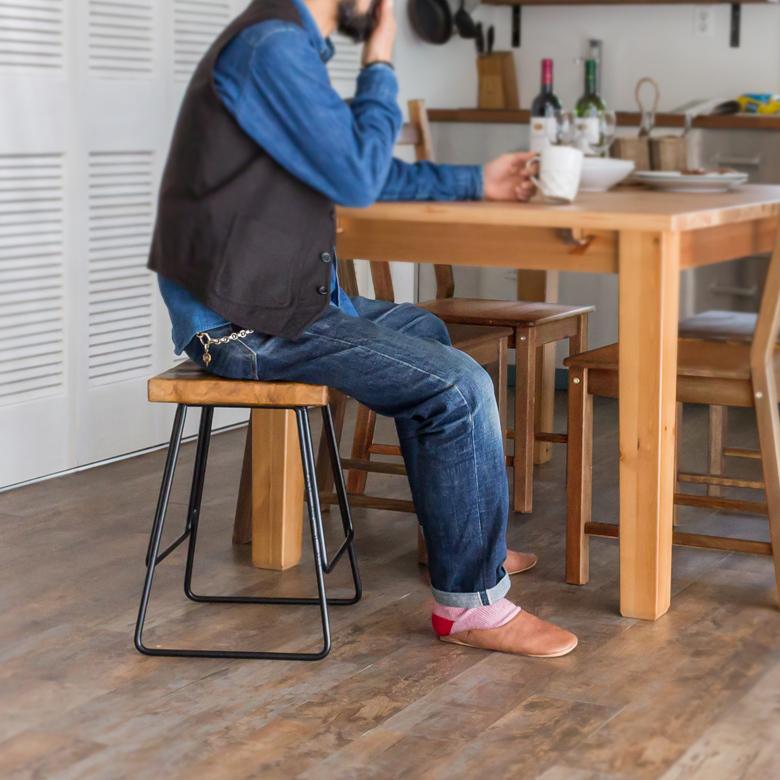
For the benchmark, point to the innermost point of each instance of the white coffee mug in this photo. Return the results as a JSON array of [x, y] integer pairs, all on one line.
[[560, 169]]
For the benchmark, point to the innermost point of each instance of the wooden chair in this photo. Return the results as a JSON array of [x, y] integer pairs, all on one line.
[[487, 345], [533, 326], [188, 386], [716, 372], [717, 325]]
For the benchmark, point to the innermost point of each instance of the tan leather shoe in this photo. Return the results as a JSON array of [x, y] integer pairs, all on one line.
[[525, 634], [516, 562]]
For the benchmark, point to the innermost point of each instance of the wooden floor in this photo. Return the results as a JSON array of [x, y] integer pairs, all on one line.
[[695, 695]]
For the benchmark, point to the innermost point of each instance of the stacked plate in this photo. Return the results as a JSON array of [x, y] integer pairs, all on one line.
[[678, 181]]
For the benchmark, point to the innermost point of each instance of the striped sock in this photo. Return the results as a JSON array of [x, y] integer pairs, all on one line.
[[454, 620]]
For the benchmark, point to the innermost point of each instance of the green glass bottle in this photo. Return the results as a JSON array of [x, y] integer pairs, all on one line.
[[589, 108]]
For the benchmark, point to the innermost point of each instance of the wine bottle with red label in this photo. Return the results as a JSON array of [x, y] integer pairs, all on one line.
[[543, 109]]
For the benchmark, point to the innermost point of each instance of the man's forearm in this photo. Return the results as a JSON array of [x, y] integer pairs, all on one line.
[[429, 181]]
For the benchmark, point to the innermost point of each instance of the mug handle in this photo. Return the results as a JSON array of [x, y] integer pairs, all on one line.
[[534, 161]]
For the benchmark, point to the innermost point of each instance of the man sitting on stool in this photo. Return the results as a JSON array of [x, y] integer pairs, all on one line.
[[244, 241]]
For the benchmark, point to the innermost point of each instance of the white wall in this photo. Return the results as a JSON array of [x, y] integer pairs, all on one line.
[[655, 41]]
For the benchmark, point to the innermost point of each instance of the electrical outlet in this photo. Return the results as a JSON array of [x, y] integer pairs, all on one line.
[[703, 21]]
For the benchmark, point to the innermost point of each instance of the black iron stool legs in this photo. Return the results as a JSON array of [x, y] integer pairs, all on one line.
[[196, 495], [315, 520], [341, 492], [153, 550], [321, 563]]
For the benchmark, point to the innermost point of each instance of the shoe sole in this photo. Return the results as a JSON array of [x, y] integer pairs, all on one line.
[[520, 571], [557, 654]]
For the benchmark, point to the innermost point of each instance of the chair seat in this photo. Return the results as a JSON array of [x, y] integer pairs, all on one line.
[[695, 358], [718, 325], [468, 337], [188, 384], [508, 313]]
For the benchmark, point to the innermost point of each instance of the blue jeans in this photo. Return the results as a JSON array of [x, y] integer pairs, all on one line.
[[398, 360]]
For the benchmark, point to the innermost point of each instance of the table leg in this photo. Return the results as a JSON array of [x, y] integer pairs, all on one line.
[[649, 304], [270, 499], [542, 286]]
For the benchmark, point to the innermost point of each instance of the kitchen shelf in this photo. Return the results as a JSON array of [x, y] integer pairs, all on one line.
[[625, 119], [626, 2], [736, 11]]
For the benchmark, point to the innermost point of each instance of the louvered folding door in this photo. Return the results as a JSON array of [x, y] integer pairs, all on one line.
[[89, 91], [36, 405]]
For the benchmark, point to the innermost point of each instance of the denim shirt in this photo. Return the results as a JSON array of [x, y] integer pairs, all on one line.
[[272, 78]]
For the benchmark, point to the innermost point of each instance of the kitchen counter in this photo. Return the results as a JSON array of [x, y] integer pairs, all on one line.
[[625, 119]]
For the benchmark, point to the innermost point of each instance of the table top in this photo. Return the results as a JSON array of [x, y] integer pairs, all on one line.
[[622, 209]]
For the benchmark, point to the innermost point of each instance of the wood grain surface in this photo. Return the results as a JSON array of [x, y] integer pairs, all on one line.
[[693, 695]]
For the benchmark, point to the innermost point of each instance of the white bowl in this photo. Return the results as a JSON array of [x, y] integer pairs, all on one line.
[[602, 173]]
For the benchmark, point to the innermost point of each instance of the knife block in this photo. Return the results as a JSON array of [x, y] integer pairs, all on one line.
[[497, 80]]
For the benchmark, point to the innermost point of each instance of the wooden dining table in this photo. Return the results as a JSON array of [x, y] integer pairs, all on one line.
[[645, 237]]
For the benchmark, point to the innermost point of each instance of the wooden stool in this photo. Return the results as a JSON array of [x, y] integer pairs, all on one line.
[[532, 327], [187, 386], [717, 373]]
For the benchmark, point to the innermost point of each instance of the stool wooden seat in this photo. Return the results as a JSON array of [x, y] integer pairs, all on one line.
[[720, 372], [187, 385]]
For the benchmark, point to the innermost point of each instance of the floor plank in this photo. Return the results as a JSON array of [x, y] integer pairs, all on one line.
[[694, 695]]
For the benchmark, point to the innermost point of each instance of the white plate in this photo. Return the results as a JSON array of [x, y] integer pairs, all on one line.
[[674, 181]]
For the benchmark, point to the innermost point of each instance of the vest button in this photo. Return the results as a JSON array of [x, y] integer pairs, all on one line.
[[322, 290], [326, 257]]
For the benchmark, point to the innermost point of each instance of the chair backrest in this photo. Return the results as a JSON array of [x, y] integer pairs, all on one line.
[[416, 133], [768, 324], [762, 374]]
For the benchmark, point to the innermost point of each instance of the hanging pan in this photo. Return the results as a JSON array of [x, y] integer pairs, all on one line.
[[431, 20]]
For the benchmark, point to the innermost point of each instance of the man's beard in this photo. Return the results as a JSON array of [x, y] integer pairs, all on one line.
[[359, 27]]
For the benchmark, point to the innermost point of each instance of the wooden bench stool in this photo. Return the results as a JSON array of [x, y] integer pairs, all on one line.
[[188, 386]]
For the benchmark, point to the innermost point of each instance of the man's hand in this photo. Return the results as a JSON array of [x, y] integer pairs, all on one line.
[[508, 178], [379, 47]]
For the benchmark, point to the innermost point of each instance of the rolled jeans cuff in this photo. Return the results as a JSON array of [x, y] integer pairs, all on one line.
[[481, 598]]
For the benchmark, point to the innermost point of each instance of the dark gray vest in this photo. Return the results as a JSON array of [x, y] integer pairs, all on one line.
[[245, 237]]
